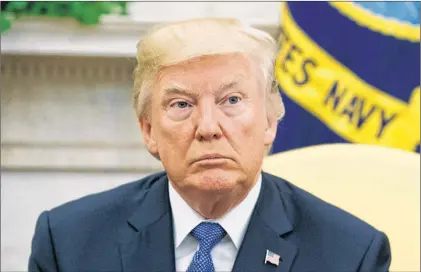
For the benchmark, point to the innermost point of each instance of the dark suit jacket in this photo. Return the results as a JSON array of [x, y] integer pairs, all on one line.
[[129, 228]]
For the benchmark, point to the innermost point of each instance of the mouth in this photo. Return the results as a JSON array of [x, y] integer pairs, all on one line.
[[212, 159]]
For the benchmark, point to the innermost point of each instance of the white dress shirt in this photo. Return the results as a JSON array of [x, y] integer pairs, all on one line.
[[235, 223]]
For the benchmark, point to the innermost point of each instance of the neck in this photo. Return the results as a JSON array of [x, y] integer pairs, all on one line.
[[214, 205]]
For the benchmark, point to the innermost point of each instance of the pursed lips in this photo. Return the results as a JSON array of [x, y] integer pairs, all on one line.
[[210, 157]]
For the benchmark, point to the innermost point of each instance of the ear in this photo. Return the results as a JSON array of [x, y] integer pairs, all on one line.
[[148, 136], [271, 128]]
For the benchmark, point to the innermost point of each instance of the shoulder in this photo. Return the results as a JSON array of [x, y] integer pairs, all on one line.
[[107, 206], [328, 236], [80, 231]]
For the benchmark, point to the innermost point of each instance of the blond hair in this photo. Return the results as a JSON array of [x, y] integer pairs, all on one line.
[[177, 42]]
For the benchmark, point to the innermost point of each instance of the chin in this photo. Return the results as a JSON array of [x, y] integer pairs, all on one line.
[[217, 180]]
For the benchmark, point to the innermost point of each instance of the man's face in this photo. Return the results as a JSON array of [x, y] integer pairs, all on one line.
[[209, 124]]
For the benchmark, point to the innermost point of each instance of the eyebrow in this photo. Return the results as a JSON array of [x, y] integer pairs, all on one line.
[[181, 90], [227, 85], [178, 89]]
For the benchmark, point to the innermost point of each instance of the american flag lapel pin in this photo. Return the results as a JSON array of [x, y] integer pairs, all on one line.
[[272, 258]]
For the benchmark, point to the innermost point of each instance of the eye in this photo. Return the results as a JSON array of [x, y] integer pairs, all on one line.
[[180, 104], [233, 100]]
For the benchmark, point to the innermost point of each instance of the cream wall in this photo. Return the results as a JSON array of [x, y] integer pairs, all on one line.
[[248, 12], [72, 113]]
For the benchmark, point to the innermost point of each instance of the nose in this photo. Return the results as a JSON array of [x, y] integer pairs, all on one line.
[[208, 125]]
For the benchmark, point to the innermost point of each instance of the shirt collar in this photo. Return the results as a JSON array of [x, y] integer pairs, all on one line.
[[235, 222]]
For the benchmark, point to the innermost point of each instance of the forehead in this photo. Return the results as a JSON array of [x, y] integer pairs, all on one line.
[[208, 69]]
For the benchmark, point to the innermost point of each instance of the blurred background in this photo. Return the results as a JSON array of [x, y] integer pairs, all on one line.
[[348, 72]]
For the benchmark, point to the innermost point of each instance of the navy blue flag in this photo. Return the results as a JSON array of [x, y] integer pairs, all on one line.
[[349, 72]]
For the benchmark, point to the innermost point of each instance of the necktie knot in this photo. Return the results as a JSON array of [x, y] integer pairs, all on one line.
[[208, 234]]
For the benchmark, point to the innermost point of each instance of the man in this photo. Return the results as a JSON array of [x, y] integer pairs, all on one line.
[[208, 110]]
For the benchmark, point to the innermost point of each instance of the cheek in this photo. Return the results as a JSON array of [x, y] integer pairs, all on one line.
[[247, 127], [178, 114], [174, 135], [254, 118]]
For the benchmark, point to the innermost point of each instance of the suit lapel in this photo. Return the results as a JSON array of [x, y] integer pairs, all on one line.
[[147, 242], [268, 226]]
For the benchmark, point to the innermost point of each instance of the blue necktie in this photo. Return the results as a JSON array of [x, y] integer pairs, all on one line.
[[208, 234]]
